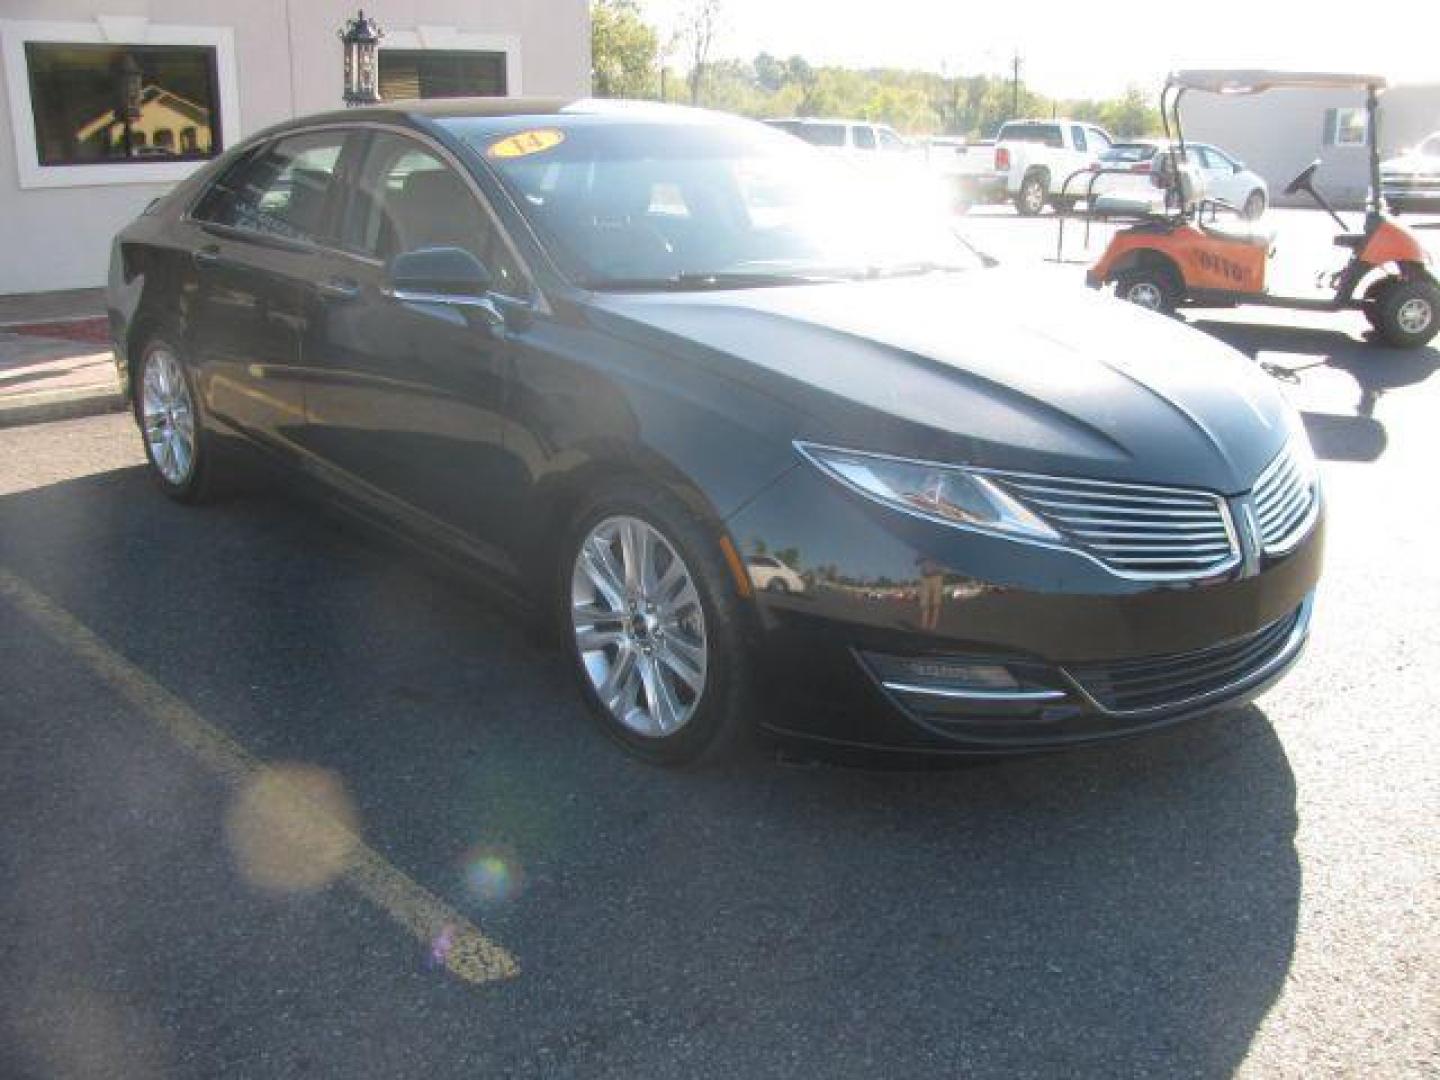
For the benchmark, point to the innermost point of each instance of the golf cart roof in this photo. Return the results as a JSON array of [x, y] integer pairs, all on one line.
[[1257, 81]]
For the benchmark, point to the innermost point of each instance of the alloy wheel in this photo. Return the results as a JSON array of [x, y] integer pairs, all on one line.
[[168, 416], [1415, 315], [1146, 294], [639, 627]]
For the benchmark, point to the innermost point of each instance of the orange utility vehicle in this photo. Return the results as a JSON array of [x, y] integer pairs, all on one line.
[[1182, 254]]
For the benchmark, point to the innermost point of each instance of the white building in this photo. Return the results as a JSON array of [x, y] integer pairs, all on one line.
[[106, 103], [1278, 133]]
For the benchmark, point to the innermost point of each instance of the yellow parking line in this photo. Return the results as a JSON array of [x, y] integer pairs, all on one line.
[[466, 952]]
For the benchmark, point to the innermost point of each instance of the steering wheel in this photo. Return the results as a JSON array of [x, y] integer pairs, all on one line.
[[1302, 182]]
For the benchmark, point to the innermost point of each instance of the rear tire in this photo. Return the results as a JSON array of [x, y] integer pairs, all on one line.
[[1151, 287], [178, 449], [653, 625], [1406, 313], [1030, 199]]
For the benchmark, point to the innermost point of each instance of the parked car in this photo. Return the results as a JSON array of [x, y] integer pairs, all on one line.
[[551, 342], [1411, 181], [1038, 157], [967, 168], [853, 137], [1226, 179], [769, 573]]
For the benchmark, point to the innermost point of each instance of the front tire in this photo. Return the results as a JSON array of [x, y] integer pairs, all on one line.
[[652, 623], [1254, 205], [166, 408], [1406, 314]]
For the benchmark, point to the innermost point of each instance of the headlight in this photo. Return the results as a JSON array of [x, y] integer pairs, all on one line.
[[944, 493]]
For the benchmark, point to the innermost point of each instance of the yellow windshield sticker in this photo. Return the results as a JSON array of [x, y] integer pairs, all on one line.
[[526, 143]]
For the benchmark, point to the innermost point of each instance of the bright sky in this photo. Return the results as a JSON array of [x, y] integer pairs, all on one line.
[[1070, 48]]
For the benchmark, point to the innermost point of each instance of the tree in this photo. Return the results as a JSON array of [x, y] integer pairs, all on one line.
[[702, 23], [623, 50]]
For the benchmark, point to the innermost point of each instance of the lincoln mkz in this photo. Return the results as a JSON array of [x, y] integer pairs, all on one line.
[[770, 448]]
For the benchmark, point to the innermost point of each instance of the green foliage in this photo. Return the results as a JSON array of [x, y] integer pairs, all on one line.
[[626, 63], [623, 50]]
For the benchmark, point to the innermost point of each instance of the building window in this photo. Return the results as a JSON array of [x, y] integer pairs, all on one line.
[[105, 104], [434, 73], [1345, 127]]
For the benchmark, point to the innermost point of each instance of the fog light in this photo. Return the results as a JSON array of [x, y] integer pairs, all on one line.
[[930, 671]]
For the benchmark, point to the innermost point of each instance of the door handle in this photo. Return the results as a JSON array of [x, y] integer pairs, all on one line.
[[339, 288], [206, 257]]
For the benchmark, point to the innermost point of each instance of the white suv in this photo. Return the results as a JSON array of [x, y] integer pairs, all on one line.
[[858, 137]]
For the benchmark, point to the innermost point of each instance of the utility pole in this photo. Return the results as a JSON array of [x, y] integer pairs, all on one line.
[[1015, 86]]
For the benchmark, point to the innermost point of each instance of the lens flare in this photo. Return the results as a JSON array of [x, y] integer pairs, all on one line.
[[292, 828], [492, 877]]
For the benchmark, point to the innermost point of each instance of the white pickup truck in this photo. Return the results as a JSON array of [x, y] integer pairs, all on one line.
[[1036, 157]]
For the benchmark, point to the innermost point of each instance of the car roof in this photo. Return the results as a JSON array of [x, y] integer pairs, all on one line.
[[556, 108], [819, 120]]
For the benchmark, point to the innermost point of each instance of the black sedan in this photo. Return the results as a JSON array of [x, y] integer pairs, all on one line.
[[772, 447]]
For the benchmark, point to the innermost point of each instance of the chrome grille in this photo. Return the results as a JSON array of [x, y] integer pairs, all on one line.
[[1135, 529], [1285, 503], [1162, 682]]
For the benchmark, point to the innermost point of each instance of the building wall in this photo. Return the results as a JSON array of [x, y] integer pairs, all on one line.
[[288, 62], [1277, 134]]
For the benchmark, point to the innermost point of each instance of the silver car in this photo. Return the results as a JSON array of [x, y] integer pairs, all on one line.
[[1226, 179]]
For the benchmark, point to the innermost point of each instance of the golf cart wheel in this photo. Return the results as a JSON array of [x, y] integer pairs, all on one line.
[[1030, 199], [1407, 313], [1149, 287], [1254, 205]]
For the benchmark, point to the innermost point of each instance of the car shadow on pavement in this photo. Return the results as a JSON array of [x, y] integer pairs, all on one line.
[[1376, 371], [1129, 910]]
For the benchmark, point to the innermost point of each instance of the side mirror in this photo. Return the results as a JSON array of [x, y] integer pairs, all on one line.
[[439, 275]]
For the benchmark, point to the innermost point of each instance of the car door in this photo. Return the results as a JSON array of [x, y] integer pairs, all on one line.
[[404, 399], [1221, 179], [255, 256]]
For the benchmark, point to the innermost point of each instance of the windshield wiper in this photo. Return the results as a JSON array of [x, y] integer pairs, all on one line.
[[709, 279]]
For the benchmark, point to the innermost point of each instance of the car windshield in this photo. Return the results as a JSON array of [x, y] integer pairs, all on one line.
[[709, 204], [1126, 153]]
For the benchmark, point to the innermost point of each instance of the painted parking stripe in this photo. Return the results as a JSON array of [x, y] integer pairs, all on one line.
[[467, 953]]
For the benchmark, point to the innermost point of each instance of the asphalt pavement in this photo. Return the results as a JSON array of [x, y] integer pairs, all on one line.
[[266, 778]]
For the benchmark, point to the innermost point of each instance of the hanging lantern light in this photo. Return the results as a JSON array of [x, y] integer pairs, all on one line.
[[361, 38]]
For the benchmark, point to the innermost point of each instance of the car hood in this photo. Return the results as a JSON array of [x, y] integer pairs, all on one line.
[[1003, 369]]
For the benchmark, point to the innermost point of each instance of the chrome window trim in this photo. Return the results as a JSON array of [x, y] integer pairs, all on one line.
[[803, 448]]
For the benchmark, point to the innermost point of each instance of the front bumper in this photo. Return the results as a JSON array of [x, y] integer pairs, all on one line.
[[1095, 656]]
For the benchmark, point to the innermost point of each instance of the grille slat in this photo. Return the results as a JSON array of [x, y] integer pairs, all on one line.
[[1160, 681], [1137, 529], [1285, 502], [1157, 533]]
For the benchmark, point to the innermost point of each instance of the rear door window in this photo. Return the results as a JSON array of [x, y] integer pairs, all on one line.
[[285, 190], [1078, 134], [864, 137]]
